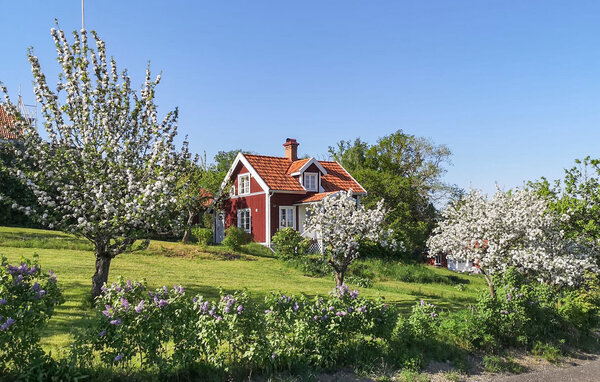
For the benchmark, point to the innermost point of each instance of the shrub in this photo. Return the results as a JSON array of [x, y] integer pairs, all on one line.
[[27, 301], [289, 243], [581, 307], [235, 237], [203, 235]]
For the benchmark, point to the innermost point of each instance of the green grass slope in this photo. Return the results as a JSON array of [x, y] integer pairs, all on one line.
[[204, 271]]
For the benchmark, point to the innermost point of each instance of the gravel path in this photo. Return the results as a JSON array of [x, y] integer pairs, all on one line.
[[585, 372]]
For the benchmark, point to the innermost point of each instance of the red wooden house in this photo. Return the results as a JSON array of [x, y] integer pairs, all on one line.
[[269, 193]]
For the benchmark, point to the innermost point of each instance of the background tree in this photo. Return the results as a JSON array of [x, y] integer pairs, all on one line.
[[342, 225], [406, 172], [200, 185], [109, 167], [513, 229], [577, 197]]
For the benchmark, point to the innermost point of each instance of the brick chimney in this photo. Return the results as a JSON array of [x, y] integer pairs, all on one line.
[[291, 149]]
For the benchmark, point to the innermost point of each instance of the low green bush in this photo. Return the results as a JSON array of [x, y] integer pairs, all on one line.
[[235, 237], [204, 236], [28, 298], [289, 243]]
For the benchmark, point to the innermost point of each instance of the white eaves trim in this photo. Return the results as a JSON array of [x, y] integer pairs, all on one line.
[[351, 177], [241, 158], [308, 164]]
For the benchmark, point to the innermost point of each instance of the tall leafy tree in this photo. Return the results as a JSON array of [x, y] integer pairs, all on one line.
[[109, 167], [404, 170]]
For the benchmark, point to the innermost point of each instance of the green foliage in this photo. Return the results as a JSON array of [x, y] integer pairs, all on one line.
[[581, 307], [405, 171], [289, 243], [546, 351], [235, 237], [27, 301], [203, 235], [498, 364]]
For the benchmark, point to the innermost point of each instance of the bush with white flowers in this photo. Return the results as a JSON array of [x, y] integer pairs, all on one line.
[[109, 167], [342, 225], [512, 229]]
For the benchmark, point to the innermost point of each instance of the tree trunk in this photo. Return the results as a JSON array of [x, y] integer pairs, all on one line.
[[101, 275], [339, 278], [490, 284], [190, 221]]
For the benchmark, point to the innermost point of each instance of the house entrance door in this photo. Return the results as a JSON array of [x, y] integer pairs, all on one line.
[[220, 227]]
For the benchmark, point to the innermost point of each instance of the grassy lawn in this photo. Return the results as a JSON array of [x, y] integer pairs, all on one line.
[[202, 271]]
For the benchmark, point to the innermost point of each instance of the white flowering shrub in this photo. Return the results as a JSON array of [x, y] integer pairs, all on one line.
[[513, 229], [108, 169], [342, 225]]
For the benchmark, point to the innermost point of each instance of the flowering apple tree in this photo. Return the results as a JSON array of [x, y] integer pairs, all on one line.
[[109, 166], [341, 224], [513, 229]]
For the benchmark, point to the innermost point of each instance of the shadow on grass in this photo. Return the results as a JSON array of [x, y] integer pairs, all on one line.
[[45, 240]]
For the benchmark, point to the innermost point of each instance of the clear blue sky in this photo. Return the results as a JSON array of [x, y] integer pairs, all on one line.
[[512, 87]]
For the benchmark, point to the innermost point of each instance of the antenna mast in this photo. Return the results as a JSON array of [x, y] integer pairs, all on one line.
[[82, 20]]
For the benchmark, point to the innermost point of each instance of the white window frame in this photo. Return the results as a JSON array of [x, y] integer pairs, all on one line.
[[244, 190], [287, 209], [314, 175], [240, 222], [232, 191]]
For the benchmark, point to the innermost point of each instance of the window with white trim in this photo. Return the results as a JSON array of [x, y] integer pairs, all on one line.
[[287, 217], [311, 181], [244, 220], [244, 184], [232, 191]]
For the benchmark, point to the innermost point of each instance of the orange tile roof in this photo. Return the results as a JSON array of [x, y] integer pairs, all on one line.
[[5, 122], [275, 171], [316, 197], [297, 165], [337, 178]]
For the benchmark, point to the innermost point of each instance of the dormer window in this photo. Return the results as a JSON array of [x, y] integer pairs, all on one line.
[[244, 184], [311, 181]]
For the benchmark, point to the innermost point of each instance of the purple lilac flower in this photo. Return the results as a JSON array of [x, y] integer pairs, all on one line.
[[324, 318], [296, 307], [41, 293], [331, 308], [341, 290], [2, 301], [117, 288], [503, 312], [104, 289], [362, 309], [434, 315], [139, 307], [125, 304], [36, 286], [315, 318], [342, 313], [178, 289], [7, 324], [268, 311], [19, 279], [129, 285], [508, 297], [422, 302], [163, 303], [211, 312], [116, 322], [195, 299], [52, 275], [204, 307], [102, 333], [219, 318], [165, 289], [240, 309], [354, 294], [350, 309], [109, 311], [272, 355], [119, 357]]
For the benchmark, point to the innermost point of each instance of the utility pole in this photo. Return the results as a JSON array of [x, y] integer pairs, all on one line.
[[82, 24]]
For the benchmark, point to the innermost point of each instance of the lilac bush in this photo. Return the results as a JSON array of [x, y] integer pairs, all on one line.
[[28, 298]]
